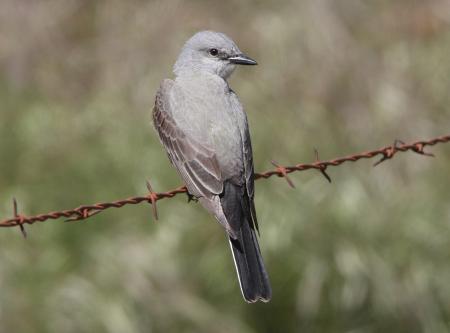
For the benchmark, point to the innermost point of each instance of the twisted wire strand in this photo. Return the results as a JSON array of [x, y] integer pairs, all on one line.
[[86, 211]]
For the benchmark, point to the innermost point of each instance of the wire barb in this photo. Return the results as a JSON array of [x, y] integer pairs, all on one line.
[[418, 148], [388, 153], [152, 198], [87, 211], [321, 167], [21, 219], [283, 172]]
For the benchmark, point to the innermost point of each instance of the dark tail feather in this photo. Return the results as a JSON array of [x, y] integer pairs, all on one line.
[[253, 278], [252, 275]]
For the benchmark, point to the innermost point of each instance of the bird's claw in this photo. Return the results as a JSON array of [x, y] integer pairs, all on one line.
[[191, 197]]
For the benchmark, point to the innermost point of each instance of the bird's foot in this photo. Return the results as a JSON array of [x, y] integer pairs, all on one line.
[[191, 197]]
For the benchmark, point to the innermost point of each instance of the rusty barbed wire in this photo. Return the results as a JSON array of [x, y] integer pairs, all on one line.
[[85, 211]]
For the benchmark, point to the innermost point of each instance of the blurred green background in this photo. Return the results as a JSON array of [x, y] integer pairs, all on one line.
[[368, 253]]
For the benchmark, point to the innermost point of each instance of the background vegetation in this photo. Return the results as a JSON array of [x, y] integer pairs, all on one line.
[[368, 253]]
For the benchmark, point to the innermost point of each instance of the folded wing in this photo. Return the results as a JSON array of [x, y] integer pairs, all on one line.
[[195, 161]]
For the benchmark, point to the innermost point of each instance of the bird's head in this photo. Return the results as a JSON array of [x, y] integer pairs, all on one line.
[[211, 52]]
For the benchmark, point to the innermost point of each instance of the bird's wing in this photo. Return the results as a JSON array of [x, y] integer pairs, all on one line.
[[249, 171], [195, 161]]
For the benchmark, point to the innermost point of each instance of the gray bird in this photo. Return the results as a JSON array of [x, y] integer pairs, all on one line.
[[204, 129]]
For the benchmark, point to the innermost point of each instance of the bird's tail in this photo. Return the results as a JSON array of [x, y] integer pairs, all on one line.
[[253, 278]]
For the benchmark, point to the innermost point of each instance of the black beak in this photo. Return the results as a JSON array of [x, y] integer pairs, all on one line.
[[242, 59]]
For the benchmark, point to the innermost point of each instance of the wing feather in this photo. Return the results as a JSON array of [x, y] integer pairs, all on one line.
[[249, 172], [195, 161]]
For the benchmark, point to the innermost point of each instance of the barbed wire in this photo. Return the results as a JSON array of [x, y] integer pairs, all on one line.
[[85, 211]]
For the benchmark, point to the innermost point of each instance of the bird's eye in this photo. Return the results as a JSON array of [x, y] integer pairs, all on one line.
[[213, 52]]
